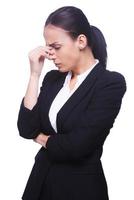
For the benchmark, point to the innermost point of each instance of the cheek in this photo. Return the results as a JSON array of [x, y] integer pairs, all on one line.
[[70, 55]]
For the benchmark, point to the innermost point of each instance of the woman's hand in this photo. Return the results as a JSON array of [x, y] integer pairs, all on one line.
[[37, 57], [42, 139]]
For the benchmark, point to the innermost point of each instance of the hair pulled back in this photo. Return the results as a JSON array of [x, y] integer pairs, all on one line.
[[74, 21]]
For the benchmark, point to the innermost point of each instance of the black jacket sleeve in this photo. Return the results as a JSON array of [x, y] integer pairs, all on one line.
[[93, 126], [28, 122]]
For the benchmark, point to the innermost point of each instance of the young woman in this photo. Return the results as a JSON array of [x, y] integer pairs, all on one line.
[[74, 112]]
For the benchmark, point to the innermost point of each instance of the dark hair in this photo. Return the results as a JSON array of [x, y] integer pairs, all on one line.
[[74, 21]]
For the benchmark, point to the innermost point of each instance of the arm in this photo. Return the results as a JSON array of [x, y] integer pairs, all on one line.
[[28, 119], [92, 127], [31, 95], [36, 59]]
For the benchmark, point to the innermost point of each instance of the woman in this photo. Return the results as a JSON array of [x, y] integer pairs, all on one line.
[[74, 112]]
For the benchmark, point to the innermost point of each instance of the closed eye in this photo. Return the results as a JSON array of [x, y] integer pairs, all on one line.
[[57, 48]]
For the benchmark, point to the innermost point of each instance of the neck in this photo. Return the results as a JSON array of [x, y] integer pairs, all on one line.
[[85, 62]]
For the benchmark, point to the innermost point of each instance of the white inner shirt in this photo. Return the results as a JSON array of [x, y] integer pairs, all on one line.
[[64, 94]]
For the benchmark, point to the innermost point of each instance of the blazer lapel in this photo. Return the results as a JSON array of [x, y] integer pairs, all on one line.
[[55, 88], [56, 83], [78, 95]]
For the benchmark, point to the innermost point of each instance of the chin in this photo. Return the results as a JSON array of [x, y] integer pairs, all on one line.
[[63, 70]]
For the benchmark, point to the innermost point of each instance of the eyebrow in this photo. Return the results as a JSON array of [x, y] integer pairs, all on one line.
[[53, 44]]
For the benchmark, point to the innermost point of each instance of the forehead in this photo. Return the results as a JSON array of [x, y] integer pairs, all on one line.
[[53, 34]]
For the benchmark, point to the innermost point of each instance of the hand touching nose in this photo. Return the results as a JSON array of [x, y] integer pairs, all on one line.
[[37, 57], [52, 54]]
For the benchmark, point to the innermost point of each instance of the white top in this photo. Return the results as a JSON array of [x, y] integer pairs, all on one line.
[[64, 94]]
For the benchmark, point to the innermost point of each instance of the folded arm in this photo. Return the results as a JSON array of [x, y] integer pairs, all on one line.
[[92, 127]]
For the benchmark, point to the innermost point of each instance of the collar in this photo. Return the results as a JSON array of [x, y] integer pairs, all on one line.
[[81, 76]]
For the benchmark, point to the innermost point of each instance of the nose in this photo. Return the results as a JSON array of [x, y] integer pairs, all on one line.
[[52, 54]]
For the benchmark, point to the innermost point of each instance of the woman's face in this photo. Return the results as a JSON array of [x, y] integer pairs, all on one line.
[[65, 51]]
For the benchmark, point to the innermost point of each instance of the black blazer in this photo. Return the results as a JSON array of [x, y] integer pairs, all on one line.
[[70, 167]]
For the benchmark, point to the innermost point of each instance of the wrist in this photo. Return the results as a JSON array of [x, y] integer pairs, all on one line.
[[45, 140], [35, 75]]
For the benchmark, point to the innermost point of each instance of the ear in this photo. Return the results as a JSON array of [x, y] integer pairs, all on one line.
[[82, 41]]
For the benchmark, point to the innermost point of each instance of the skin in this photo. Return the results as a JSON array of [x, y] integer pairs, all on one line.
[[66, 53]]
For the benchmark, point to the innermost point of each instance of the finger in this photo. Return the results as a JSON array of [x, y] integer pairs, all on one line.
[[47, 51], [48, 56]]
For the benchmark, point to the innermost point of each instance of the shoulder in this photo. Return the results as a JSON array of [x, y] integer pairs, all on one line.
[[111, 83], [112, 77], [53, 75]]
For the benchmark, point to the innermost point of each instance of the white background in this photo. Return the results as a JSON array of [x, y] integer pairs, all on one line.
[[21, 27]]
